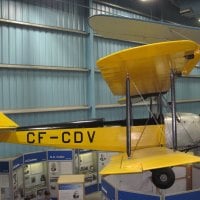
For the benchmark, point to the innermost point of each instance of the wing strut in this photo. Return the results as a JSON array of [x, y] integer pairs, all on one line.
[[173, 100], [128, 117]]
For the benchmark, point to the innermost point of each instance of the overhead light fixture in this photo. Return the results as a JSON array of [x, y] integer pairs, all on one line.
[[143, 0], [199, 20], [185, 11]]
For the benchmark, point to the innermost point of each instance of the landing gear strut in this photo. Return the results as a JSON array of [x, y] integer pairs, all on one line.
[[163, 178]]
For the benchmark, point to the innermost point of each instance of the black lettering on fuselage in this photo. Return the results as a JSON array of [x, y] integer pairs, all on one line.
[[65, 136], [40, 137], [91, 136], [30, 137], [78, 137]]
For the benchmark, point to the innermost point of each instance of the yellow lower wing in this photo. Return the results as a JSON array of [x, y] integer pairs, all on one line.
[[148, 159], [6, 123]]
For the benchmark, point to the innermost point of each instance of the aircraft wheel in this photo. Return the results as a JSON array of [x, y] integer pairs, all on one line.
[[163, 178]]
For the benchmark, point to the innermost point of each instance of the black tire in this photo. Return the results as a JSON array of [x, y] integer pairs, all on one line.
[[163, 178]]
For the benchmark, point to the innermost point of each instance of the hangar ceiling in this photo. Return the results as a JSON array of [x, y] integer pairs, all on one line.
[[188, 8], [186, 12]]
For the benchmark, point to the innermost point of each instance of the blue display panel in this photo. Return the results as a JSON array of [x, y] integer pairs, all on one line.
[[66, 186], [192, 195], [17, 162], [4, 167], [60, 155], [122, 195], [91, 188], [35, 157], [108, 190]]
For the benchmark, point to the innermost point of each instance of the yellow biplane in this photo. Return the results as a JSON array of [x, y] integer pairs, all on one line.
[[144, 71]]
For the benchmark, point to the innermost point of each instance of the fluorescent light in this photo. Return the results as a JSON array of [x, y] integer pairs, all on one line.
[[146, 0], [185, 11]]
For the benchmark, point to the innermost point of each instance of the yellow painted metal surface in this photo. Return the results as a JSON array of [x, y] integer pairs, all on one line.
[[148, 66], [71, 179], [6, 123], [104, 138], [148, 159]]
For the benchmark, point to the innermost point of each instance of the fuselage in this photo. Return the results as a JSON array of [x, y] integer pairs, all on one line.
[[104, 136], [188, 130]]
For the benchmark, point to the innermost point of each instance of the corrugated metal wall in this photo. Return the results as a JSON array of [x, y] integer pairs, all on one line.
[[30, 46], [67, 14], [37, 89], [46, 65], [43, 64]]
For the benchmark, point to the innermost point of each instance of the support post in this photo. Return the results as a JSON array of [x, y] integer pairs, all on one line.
[[173, 100], [128, 118], [91, 67], [160, 111]]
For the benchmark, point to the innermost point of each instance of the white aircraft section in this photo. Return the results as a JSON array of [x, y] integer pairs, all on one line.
[[141, 30], [188, 130]]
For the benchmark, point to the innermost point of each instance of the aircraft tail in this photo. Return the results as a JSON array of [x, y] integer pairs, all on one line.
[[6, 123]]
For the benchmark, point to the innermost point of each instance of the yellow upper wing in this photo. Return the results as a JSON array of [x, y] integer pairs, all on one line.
[[148, 66], [148, 159]]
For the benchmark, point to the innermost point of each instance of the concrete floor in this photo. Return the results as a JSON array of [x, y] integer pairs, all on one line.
[[94, 196]]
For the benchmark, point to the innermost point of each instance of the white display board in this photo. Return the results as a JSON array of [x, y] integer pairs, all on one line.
[[71, 187], [71, 191], [4, 187], [60, 162], [86, 163]]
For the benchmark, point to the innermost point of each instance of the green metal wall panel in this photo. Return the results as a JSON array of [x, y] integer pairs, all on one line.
[[26, 119], [31, 88], [29, 46], [193, 107], [103, 47], [103, 94], [110, 9], [187, 88], [32, 46], [120, 113], [67, 14]]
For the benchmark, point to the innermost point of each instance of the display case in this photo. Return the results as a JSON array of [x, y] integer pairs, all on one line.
[[35, 175], [71, 186], [5, 185], [86, 163], [60, 162], [17, 178]]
